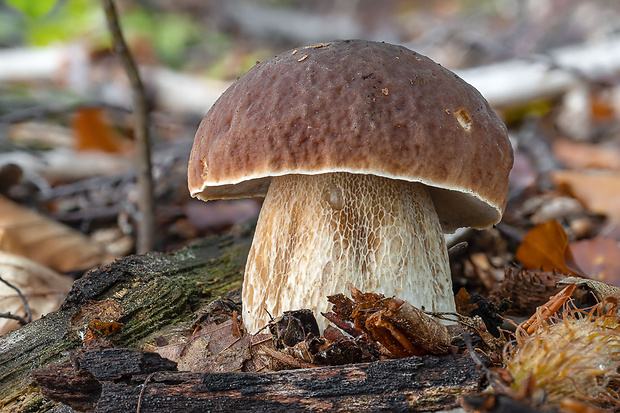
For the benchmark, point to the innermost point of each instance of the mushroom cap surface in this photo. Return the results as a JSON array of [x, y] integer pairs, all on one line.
[[359, 107]]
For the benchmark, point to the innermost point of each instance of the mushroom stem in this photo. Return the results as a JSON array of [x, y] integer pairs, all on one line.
[[319, 234]]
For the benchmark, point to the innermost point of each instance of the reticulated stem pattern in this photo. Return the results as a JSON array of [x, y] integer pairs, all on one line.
[[319, 234]]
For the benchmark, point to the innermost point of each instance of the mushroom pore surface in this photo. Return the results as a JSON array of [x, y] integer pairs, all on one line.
[[319, 234]]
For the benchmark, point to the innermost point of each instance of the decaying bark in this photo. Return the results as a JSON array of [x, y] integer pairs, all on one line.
[[111, 380], [145, 293]]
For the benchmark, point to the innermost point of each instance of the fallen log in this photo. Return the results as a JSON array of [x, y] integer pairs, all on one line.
[[144, 293], [113, 380]]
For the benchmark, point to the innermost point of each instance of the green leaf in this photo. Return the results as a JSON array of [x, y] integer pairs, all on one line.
[[33, 8]]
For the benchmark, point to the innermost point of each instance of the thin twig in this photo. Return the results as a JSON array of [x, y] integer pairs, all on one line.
[[145, 240], [21, 320], [148, 378]]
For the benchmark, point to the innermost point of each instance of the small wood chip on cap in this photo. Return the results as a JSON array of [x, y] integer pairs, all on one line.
[[317, 46]]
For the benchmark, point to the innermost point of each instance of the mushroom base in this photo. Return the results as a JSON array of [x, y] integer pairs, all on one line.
[[318, 235]]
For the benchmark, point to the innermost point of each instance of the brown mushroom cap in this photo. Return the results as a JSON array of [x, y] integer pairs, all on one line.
[[359, 107]]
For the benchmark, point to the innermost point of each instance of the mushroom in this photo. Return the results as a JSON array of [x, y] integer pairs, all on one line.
[[365, 152]]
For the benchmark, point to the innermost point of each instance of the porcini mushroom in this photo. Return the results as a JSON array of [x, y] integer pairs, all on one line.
[[365, 152]]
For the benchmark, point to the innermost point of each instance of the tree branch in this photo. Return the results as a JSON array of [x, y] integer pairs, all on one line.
[[145, 240]]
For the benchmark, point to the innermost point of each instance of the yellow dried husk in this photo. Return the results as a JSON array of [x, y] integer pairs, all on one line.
[[575, 355]]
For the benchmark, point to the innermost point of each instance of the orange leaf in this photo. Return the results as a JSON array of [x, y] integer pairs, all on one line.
[[600, 259], [599, 192], [602, 107], [546, 247], [578, 155], [93, 132]]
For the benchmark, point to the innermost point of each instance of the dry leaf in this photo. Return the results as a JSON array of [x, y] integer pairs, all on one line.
[[93, 132], [278, 360], [546, 247], [577, 155], [401, 328], [10, 243], [46, 241], [407, 331], [294, 327], [215, 349], [599, 192], [463, 306], [43, 288], [599, 258]]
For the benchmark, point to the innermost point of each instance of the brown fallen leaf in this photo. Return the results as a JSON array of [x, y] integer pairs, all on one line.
[[579, 155], [206, 350], [401, 328], [93, 132], [408, 331], [43, 288], [340, 316], [46, 241], [599, 258], [599, 192], [545, 247], [217, 348], [463, 305]]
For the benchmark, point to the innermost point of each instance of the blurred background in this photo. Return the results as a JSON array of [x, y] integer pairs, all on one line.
[[550, 68]]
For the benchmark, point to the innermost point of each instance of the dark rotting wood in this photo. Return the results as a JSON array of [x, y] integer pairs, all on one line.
[[411, 384]]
